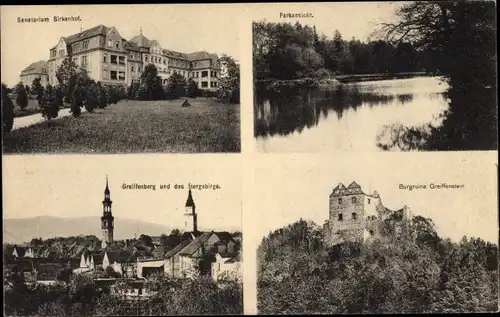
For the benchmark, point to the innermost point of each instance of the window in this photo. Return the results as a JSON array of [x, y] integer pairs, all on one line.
[[117, 44], [110, 43], [146, 58], [353, 200], [84, 60], [340, 217], [114, 75], [114, 59], [85, 45], [132, 68], [132, 56], [340, 200], [204, 84], [105, 58], [215, 75], [213, 84], [197, 74], [121, 76], [204, 73], [139, 69], [371, 232], [61, 53], [164, 62], [354, 216], [121, 60]]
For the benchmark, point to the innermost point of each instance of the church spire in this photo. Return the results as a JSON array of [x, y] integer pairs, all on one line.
[[190, 201], [106, 190]]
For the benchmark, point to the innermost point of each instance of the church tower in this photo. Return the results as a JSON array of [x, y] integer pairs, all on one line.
[[107, 219], [191, 223]]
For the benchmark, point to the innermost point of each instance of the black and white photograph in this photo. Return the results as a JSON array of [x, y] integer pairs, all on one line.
[[383, 236], [165, 79], [122, 241], [375, 76]]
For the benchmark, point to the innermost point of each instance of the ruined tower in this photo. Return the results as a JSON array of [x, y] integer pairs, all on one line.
[[356, 216], [107, 219], [191, 223]]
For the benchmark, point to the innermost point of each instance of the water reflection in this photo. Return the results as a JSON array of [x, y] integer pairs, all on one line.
[[358, 116]]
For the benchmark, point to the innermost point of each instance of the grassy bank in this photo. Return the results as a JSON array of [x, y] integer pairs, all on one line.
[[136, 126], [373, 77]]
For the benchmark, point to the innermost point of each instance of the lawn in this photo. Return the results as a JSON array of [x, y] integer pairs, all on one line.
[[132, 126], [32, 107]]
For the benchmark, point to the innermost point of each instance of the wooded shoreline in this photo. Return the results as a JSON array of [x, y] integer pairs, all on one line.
[[340, 79]]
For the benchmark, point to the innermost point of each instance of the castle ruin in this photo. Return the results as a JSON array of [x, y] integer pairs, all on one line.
[[356, 216]]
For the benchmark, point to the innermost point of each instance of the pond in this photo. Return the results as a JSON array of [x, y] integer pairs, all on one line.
[[348, 117]]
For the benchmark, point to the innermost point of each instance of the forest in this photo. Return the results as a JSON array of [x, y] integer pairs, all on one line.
[[82, 297], [419, 273], [291, 51]]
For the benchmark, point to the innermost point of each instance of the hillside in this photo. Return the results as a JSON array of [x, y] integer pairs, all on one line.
[[24, 229], [417, 273]]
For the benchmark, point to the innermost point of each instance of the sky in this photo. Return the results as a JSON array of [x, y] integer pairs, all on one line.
[[355, 19], [299, 186], [183, 28], [73, 186], [216, 28]]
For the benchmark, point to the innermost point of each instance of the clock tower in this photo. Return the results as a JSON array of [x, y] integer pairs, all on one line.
[[107, 219], [192, 218]]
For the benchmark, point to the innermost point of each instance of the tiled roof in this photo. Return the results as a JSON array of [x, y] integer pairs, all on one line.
[[354, 185], [141, 41], [192, 247], [176, 250], [196, 56], [97, 30], [37, 67], [224, 236], [174, 54], [118, 256], [131, 46]]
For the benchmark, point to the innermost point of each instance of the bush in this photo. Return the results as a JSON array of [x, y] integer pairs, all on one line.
[[7, 110], [76, 101], [101, 96], [22, 96], [192, 89], [91, 98]]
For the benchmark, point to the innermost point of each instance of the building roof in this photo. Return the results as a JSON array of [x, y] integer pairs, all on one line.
[[174, 54], [177, 249], [236, 258], [38, 67], [96, 30], [197, 56], [192, 247], [225, 236], [141, 41], [354, 185]]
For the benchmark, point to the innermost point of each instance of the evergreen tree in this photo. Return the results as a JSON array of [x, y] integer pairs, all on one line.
[[7, 110], [77, 101], [101, 96], [22, 97], [37, 90]]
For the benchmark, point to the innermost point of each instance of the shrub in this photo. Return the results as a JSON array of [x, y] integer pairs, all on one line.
[[101, 96], [76, 101], [91, 97], [7, 110], [22, 96], [192, 89]]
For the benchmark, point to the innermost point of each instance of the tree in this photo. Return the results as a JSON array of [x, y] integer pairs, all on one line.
[[229, 86], [176, 86], [28, 90], [48, 103], [132, 90], [153, 82], [101, 96], [66, 75], [91, 97], [22, 97], [192, 89], [76, 101], [7, 110], [37, 90]]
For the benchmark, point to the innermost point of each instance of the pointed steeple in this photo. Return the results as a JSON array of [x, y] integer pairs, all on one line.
[[106, 191], [190, 201]]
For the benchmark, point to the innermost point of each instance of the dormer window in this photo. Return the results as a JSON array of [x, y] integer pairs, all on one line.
[[117, 44], [110, 43]]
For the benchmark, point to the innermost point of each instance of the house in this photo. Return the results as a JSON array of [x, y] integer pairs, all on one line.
[[136, 290], [23, 251], [35, 70], [172, 262], [111, 59], [146, 268], [193, 258], [48, 272], [227, 267]]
